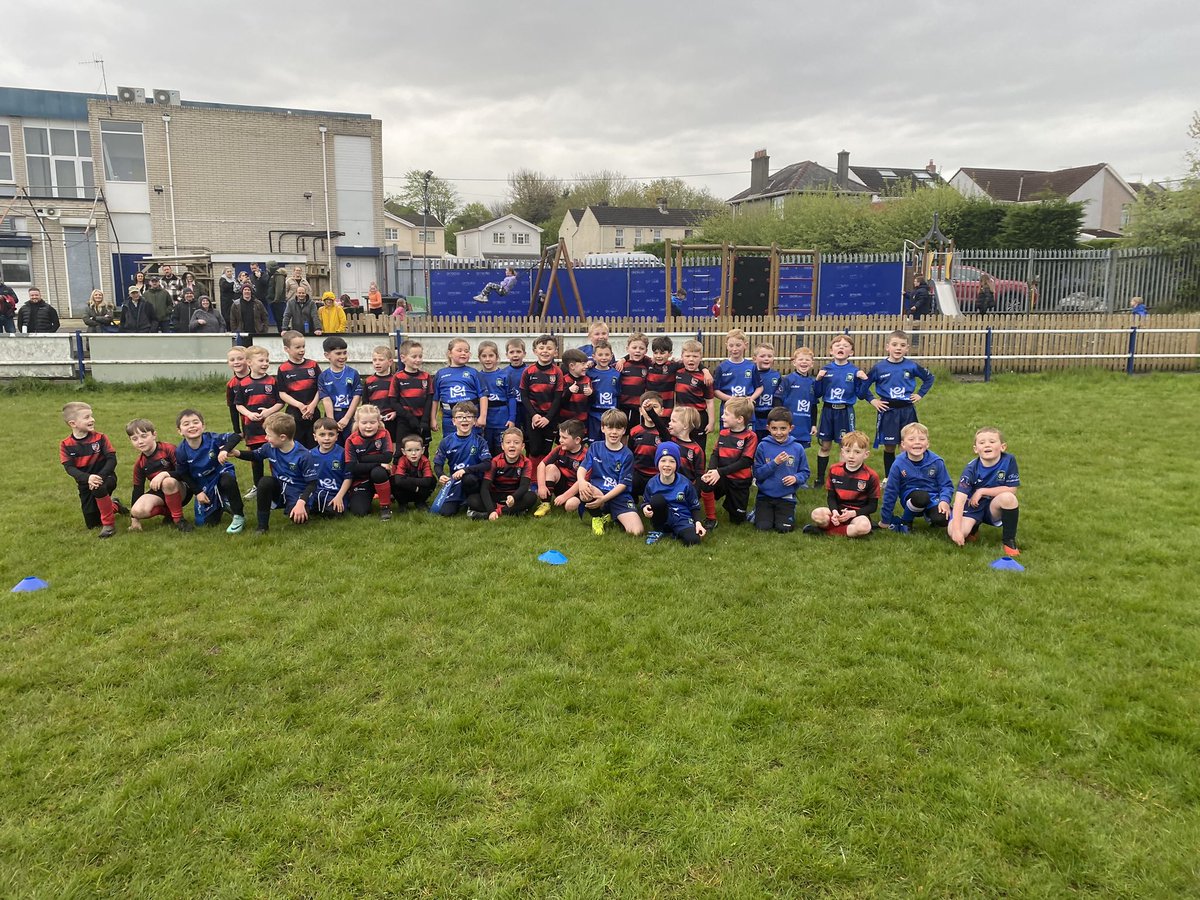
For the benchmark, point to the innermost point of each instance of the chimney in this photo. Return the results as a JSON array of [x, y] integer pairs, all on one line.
[[662, 205], [759, 166], [843, 173], [931, 168]]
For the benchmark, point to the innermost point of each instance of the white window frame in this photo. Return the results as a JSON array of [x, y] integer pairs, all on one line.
[[7, 154], [125, 128], [619, 238], [657, 235], [498, 237], [521, 237], [22, 257], [81, 166], [426, 237], [391, 234]]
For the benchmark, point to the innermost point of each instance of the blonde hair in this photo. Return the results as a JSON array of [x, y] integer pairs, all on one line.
[[837, 338], [599, 323], [913, 428], [742, 407], [990, 429], [803, 351], [688, 415], [455, 342], [855, 439], [235, 351], [384, 350], [72, 410], [254, 351], [736, 334], [367, 410], [638, 338], [691, 347]]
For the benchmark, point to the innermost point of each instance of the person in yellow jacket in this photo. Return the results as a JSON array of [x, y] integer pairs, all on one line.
[[333, 317]]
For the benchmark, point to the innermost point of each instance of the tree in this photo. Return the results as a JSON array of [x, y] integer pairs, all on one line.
[[1170, 219], [444, 201], [1048, 225], [532, 195], [605, 186], [679, 194], [470, 216]]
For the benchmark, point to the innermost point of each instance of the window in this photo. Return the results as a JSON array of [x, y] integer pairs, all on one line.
[[887, 173], [521, 237], [391, 234], [497, 237], [687, 232], [124, 152], [657, 235], [6, 168], [59, 161], [637, 237], [620, 240], [425, 237], [15, 265], [1124, 214]]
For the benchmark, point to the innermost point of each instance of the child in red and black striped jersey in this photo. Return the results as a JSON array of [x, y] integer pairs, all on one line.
[[632, 384], [236, 360], [90, 459], [156, 492], [733, 460], [853, 492], [693, 462], [412, 476], [660, 377], [369, 463], [410, 395], [256, 399], [577, 387], [541, 395], [504, 490], [296, 382], [643, 441], [558, 473], [377, 386], [694, 388]]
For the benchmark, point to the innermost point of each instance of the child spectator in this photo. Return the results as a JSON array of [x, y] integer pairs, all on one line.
[[156, 491], [412, 476], [577, 387], [293, 477], [797, 393], [919, 480], [374, 300], [597, 331], [987, 492], [501, 403], [670, 500], [377, 386], [780, 467], [257, 399], [558, 473], [239, 369], [296, 381], [736, 376], [853, 491], [838, 389], [89, 458], [897, 395], [632, 384], [339, 387], [203, 469], [505, 487], [514, 351], [541, 394], [465, 455], [605, 478], [329, 499], [694, 388], [768, 379], [369, 463], [458, 382], [411, 393], [605, 383], [331, 314], [733, 460], [503, 288], [661, 373], [1137, 306], [643, 442]]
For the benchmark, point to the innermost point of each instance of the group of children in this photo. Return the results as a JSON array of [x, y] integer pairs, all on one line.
[[614, 440]]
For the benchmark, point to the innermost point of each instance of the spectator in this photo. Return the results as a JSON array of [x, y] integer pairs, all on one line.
[[160, 301], [170, 281], [293, 283], [374, 300], [985, 300], [333, 317], [139, 280], [400, 313], [137, 315], [301, 313], [99, 314], [189, 281], [277, 290], [1137, 306], [37, 316], [260, 281], [919, 301], [8, 309], [182, 312], [206, 319], [247, 316], [227, 288]]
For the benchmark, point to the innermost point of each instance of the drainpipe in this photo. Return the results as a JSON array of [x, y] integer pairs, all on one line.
[[171, 184], [328, 238]]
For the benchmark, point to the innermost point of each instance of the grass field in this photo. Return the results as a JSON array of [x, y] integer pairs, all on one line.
[[419, 707]]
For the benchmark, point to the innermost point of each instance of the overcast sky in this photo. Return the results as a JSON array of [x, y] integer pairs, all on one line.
[[474, 90]]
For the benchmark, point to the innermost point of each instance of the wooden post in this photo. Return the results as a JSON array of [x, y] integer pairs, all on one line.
[[667, 272], [773, 282]]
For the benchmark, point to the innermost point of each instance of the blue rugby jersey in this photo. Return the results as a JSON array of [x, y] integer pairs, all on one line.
[[454, 384], [736, 379], [608, 468], [502, 403], [340, 387], [976, 475], [198, 466], [798, 395], [470, 453], [840, 384], [683, 503], [898, 381], [769, 379], [331, 468], [927, 474]]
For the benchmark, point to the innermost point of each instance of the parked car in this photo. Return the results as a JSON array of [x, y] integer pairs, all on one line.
[[1076, 294], [1011, 296]]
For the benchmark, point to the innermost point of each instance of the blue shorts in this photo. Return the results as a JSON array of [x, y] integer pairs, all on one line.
[[982, 513], [622, 503], [491, 434], [319, 502], [836, 420], [216, 501], [891, 422], [594, 433]]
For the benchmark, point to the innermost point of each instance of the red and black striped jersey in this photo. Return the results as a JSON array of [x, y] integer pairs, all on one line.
[[505, 477], [255, 394], [662, 380], [365, 453], [643, 442], [298, 380], [408, 469], [235, 417], [632, 383], [377, 389], [566, 463], [692, 389], [575, 405], [853, 490], [412, 392], [146, 467], [734, 456], [692, 461], [541, 389], [92, 454]]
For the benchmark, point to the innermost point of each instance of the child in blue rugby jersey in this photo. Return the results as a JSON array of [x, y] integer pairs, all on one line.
[[987, 492], [768, 379], [797, 393], [293, 477], [458, 383], [202, 466], [514, 352], [339, 386], [332, 486], [736, 376], [501, 401], [838, 388], [605, 381], [670, 500], [606, 478], [465, 455], [919, 481], [895, 381]]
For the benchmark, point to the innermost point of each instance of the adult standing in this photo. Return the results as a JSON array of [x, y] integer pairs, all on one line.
[[206, 318], [99, 314], [277, 290], [301, 313], [137, 315], [139, 281], [170, 281], [985, 299], [260, 281], [247, 316], [37, 316], [227, 288], [160, 301], [295, 280], [919, 301], [8, 309], [183, 310]]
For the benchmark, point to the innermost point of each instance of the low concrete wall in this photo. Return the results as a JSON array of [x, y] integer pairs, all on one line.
[[37, 356]]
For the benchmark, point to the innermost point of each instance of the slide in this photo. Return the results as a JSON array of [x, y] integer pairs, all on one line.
[[947, 302]]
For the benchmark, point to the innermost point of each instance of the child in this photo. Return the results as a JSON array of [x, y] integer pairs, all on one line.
[[605, 382], [458, 382], [597, 331], [1137, 306], [156, 491], [465, 454], [293, 477], [780, 467], [410, 394], [987, 492], [670, 501], [692, 460], [768, 379], [919, 480], [541, 394], [329, 499], [736, 376], [412, 476], [797, 393], [377, 386], [501, 403], [90, 459], [838, 389], [339, 386], [632, 383], [296, 382], [239, 369], [643, 442], [894, 380], [558, 473], [203, 469], [694, 388], [853, 492], [660, 376], [577, 387], [505, 487], [605, 478], [256, 400], [503, 288], [369, 463], [514, 351], [733, 460]]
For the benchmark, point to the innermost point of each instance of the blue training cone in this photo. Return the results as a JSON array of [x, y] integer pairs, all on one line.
[[1007, 564], [29, 584], [553, 557]]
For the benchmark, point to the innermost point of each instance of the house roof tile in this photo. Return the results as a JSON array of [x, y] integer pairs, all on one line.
[[798, 178], [648, 217], [1016, 185]]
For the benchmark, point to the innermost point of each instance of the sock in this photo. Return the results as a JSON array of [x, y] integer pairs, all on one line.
[[256, 470], [822, 465], [383, 490], [1008, 525], [710, 504], [108, 514], [174, 506], [889, 457]]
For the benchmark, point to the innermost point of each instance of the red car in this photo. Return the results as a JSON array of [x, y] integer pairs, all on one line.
[[1011, 296]]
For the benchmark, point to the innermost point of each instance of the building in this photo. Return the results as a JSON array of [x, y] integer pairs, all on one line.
[[1106, 196], [619, 229], [506, 238], [414, 236], [885, 181], [98, 183]]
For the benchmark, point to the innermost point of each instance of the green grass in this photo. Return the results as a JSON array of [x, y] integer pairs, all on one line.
[[420, 708]]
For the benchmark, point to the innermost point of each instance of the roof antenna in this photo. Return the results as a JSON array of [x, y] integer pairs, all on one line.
[[98, 60]]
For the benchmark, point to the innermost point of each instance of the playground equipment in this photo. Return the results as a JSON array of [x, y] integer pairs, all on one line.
[[934, 264], [750, 280], [552, 258]]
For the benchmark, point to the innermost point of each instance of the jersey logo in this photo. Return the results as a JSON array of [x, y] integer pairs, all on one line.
[[1000, 475], [552, 379], [96, 447], [931, 472], [458, 392], [862, 485], [267, 388]]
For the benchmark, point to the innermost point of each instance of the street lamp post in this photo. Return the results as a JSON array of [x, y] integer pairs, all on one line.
[[425, 241]]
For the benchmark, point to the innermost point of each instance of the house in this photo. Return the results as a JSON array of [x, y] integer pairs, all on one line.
[[508, 237], [887, 181], [414, 236], [1105, 194], [617, 229], [106, 181]]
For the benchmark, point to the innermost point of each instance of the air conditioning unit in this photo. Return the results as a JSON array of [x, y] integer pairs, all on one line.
[[131, 95], [47, 212], [166, 98]]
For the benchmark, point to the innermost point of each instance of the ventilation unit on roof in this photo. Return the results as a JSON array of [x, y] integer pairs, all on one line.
[[131, 95], [166, 98]]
